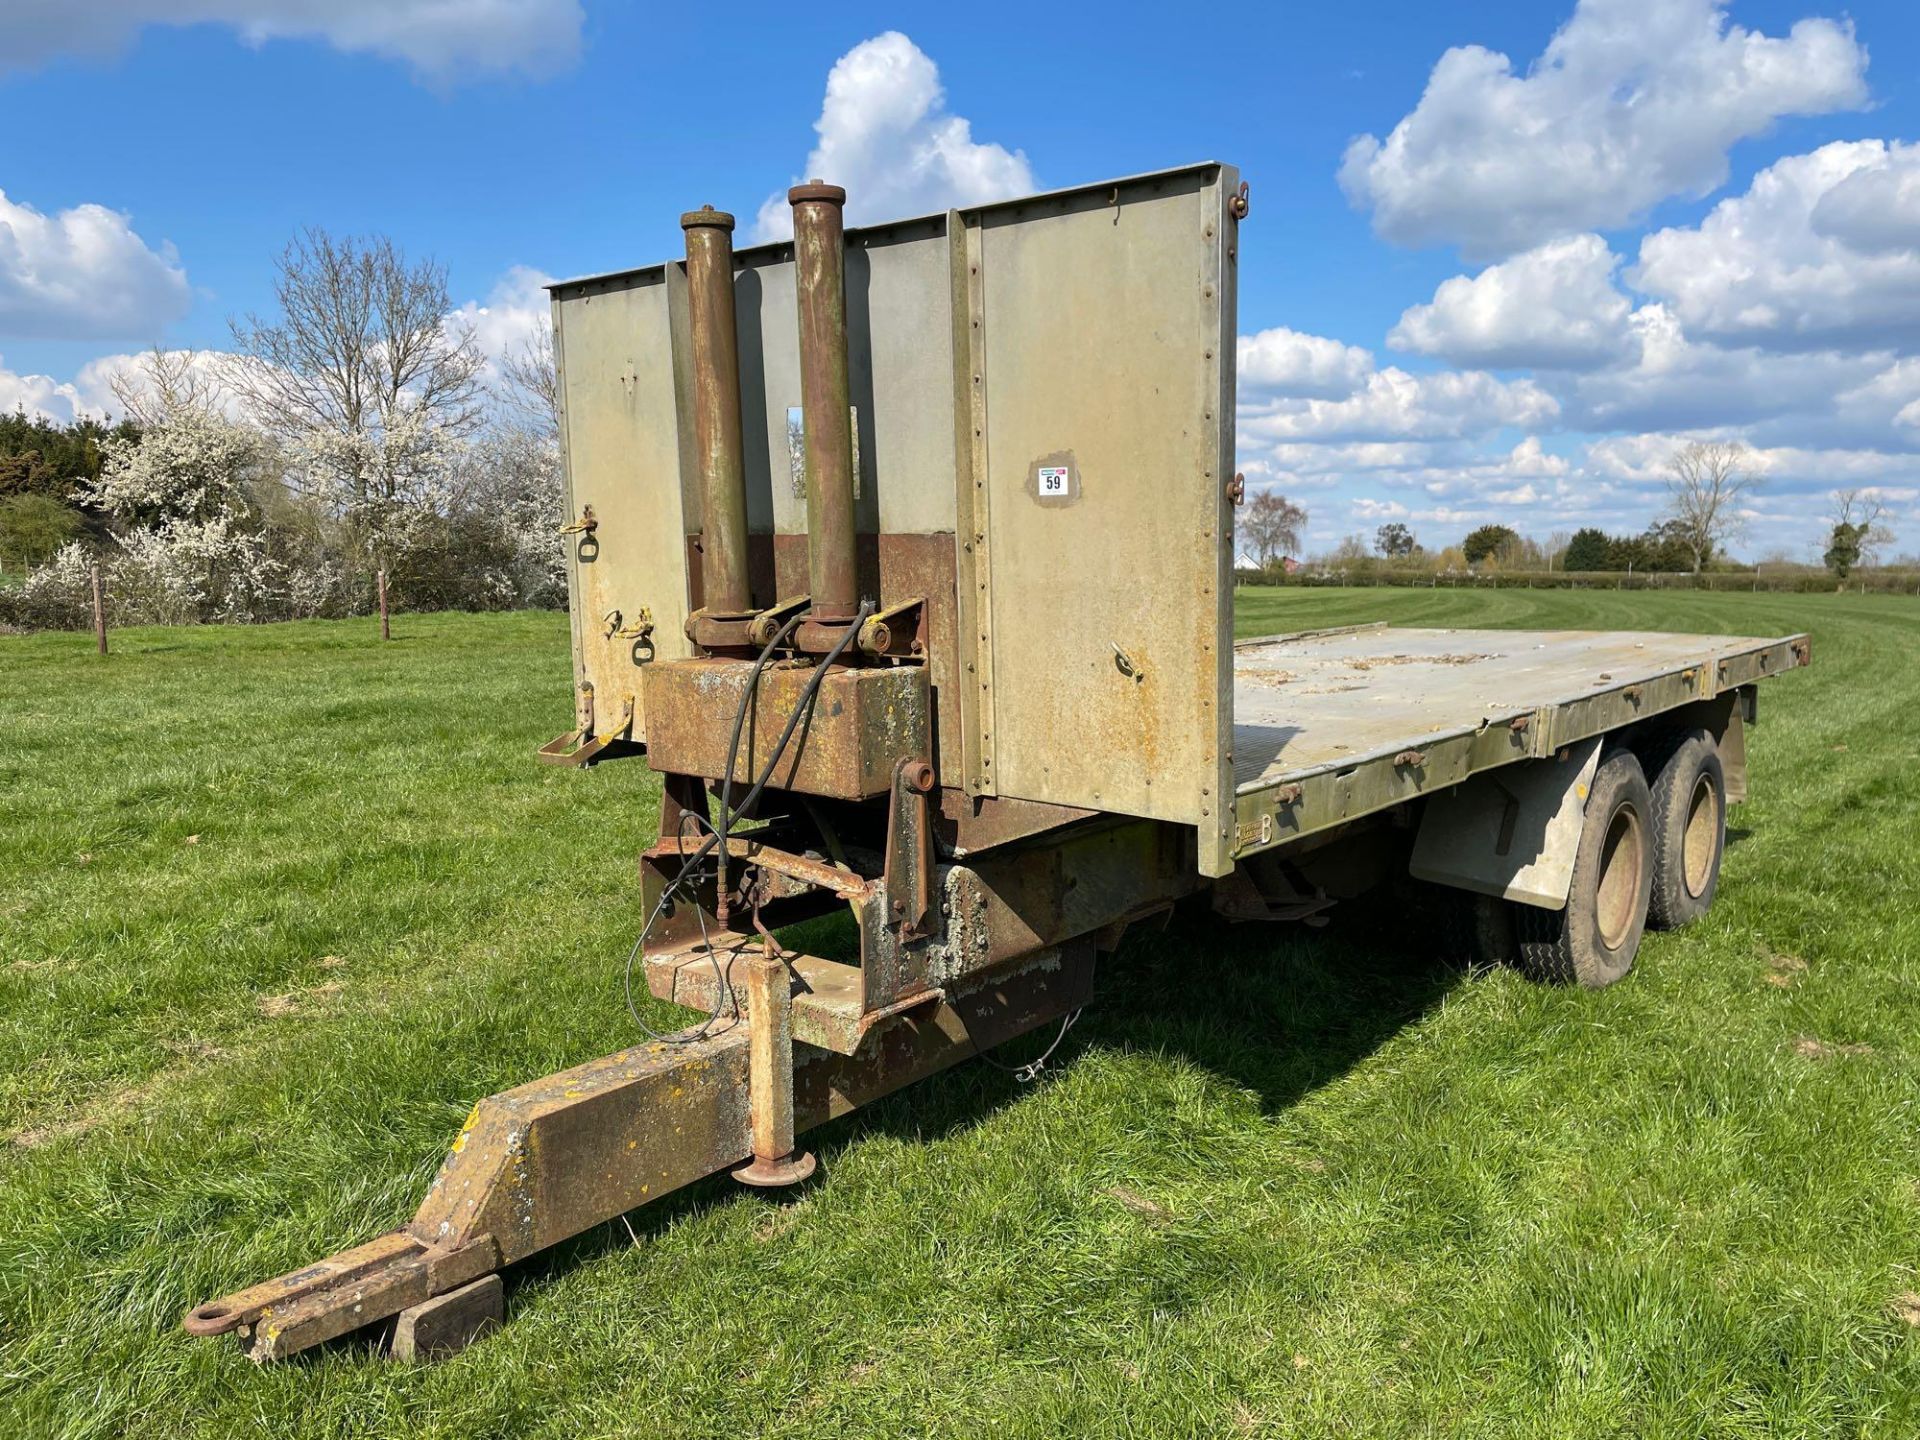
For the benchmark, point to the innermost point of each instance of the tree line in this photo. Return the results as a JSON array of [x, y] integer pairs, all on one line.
[[1708, 485], [355, 429]]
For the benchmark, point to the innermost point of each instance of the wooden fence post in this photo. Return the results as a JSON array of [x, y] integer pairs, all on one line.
[[99, 613], [386, 630]]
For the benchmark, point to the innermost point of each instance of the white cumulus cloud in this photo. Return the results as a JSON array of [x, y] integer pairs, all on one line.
[[84, 274], [1633, 101], [887, 138], [1822, 251], [1286, 362], [1783, 471], [38, 395], [1667, 380], [515, 311], [1367, 508], [91, 391], [444, 41], [1876, 209], [1309, 388], [1554, 307], [1393, 404], [97, 385]]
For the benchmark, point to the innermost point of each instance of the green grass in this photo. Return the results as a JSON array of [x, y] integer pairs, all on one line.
[[277, 904]]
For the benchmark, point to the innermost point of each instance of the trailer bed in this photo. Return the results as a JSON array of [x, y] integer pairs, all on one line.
[[1329, 725]]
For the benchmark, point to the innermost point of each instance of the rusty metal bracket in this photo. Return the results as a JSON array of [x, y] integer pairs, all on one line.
[[751, 852], [764, 626], [1254, 892], [640, 629], [581, 746], [908, 883], [713, 630], [895, 630]]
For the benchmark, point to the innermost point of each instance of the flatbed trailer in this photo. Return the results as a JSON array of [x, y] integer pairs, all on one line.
[[1332, 725], [922, 609]]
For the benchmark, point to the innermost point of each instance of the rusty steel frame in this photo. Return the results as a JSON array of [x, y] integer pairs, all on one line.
[[861, 724], [546, 1161], [1088, 879], [794, 1040]]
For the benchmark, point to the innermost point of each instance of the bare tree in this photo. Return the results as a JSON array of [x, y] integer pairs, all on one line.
[[1706, 481], [1273, 524], [363, 348], [1862, 515], [370, 386], [530, 383], [163, 383]]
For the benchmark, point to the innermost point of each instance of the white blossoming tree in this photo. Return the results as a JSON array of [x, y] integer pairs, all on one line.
[[370, 387], [358, 428], [188, 543]]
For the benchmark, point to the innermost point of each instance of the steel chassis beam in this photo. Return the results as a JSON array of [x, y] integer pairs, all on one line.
[[537, 1164], [954, 959]]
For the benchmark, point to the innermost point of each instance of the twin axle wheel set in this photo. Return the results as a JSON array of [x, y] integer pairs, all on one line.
[[1651, 842]]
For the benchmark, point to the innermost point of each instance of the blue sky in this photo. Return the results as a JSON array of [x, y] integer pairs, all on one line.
[[1655, 219]]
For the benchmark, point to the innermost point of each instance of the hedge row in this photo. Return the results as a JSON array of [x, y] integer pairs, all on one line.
[[1892, 582]]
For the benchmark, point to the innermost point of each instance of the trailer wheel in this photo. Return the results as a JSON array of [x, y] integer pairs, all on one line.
[[1593, 940], [1461, 928], [1689, 830], [1480, 929]]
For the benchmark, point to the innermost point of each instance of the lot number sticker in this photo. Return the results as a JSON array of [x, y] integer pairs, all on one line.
[[1053, 481]]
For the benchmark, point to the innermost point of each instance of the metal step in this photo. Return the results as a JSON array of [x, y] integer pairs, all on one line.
[[827, 999]]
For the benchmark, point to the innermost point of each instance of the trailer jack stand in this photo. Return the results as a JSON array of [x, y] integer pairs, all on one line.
[[538, 1164], [770, 1076]]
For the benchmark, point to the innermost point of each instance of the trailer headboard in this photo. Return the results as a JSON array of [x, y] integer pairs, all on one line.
[[1042, 396]]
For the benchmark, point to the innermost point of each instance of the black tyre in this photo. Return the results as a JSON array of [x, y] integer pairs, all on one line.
[[1483, 929], [1463, 929], [1689, 790], [1592, 941]]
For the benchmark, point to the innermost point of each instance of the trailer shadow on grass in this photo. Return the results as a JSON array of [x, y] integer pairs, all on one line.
[[1275, 1009]]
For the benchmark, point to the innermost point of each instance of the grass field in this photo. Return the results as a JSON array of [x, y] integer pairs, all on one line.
[[277, 904]]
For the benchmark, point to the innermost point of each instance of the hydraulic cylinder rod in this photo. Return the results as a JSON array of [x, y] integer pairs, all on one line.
[[716, 413], [820, 276]]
